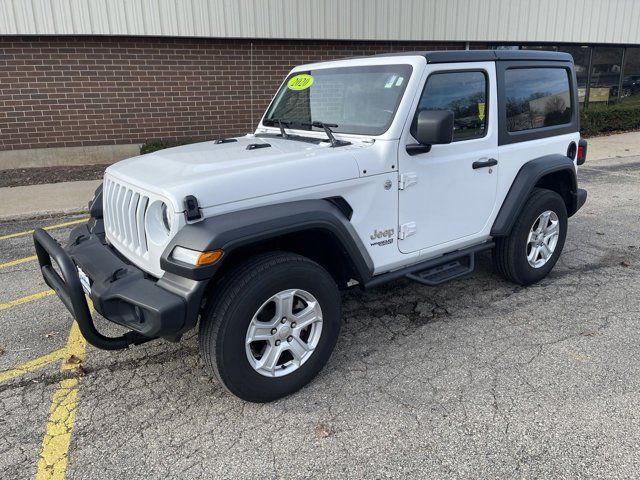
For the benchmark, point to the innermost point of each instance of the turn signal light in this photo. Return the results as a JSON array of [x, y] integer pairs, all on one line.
[[209, 258], [195, 257]]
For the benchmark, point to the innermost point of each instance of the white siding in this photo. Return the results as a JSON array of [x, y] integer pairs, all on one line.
[[576, 21]]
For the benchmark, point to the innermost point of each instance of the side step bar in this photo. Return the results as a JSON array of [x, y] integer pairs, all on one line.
[[448, 271], [436, 270]]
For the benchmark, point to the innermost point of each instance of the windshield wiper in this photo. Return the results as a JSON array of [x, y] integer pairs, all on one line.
[[281, 125], [325, 126], [327, 129]]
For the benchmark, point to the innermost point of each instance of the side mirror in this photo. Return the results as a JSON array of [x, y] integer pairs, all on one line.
[[434, 127]]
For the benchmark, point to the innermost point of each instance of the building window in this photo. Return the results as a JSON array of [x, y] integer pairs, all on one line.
[[605, 74], [503, 47], [537, 97], [581, 60], [631, 76], [465, 94], [548, 48]]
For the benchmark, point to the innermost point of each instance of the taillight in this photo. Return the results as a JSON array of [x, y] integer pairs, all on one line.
[[582, 152]]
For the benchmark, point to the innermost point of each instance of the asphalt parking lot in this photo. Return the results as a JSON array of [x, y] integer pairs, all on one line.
[[474, 379]]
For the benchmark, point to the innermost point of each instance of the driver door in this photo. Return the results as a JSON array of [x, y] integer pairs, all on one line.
[[447, 195]]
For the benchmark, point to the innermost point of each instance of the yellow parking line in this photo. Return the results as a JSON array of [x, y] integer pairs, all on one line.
[[62, 414], [50, 227], [28, 298], [32, 365], [53, 460], [19, 261]]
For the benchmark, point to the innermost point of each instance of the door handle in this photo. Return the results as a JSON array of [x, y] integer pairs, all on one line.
[[484, 164]]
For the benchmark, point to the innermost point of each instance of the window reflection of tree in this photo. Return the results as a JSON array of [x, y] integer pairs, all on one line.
[[467, 121], [537, 110]]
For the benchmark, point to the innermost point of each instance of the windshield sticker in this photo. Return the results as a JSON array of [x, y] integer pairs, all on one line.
[[300, 82], [390, 81]]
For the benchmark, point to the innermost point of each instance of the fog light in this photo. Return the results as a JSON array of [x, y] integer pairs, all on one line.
[[195, 257]]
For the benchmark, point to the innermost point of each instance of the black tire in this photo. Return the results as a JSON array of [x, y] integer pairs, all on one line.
[[510, 253], [240, 295]]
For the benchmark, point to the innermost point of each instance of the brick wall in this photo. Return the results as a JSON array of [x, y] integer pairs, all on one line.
[[78, 91]]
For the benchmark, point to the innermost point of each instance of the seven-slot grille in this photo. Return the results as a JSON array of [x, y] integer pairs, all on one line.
[[124, 213]]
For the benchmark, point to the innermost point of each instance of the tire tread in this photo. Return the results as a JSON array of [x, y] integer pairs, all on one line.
[[504, 252], [228, 289]]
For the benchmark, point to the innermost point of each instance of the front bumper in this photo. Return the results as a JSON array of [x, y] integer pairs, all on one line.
[[120, 292]]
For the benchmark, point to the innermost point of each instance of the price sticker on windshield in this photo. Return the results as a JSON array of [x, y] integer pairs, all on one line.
[[300, 82]]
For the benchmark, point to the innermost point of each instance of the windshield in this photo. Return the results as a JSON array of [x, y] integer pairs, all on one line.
[[359, 100]]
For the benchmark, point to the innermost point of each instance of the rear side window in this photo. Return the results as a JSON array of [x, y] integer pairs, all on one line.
[[465, 94], [537, 97]]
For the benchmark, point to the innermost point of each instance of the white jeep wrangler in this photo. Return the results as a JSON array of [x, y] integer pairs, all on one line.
[[360, 172]]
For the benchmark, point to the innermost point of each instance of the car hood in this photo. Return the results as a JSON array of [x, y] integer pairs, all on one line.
[[218, 173]]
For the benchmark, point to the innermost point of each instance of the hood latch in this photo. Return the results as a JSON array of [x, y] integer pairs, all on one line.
[[192, 209]]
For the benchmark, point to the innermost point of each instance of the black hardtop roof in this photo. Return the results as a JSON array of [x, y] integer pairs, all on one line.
[[452, 56]]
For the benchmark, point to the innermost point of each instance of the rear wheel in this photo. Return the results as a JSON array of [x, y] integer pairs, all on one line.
[[272, 326], [536, 240]]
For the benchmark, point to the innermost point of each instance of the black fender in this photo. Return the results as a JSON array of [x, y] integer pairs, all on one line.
[[527, 178], [233, 230]]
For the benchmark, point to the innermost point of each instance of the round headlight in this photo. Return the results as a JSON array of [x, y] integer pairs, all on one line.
[[158, 222], [166, 219]]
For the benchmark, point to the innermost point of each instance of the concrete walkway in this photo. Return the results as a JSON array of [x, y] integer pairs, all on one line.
[[72, 197], [40, 200], [611, 146]]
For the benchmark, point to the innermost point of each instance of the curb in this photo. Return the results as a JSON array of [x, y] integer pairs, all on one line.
[[43, 214]]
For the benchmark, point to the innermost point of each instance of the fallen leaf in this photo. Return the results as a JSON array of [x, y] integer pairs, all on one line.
[[81, 372], [589, 333], [581, 357], [50, 334], [624, 263], [73, 360], [1, 351], [322, 431]]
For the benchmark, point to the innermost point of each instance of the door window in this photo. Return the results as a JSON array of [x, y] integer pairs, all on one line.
[[465, 94]]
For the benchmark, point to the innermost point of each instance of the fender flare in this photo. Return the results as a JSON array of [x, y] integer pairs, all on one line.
[[524, 183], [232, 230]]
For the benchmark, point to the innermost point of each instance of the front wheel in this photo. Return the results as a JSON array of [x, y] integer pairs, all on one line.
[[272, 326], [536, 240]]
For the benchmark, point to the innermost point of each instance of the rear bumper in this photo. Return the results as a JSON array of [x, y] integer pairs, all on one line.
[[120, 292], [581, 198]]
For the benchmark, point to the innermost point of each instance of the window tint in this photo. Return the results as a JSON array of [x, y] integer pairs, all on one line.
[[537, 97], [465, 94], [581, 65], [631, 79], [605, 74]]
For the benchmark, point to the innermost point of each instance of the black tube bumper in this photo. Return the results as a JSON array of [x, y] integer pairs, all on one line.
[[120, 292]]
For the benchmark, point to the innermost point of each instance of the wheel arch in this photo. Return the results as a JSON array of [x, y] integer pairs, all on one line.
[[553, 172], [319, 229]]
